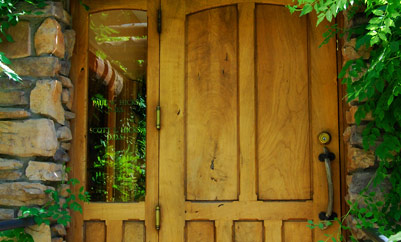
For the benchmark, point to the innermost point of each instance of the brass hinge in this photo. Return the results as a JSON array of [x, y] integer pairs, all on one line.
[[158, 117], [337, 44], [159, 21], [157, 221]]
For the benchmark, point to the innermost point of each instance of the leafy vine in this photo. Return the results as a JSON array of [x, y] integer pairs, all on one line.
[[56, 210], [376, 84]]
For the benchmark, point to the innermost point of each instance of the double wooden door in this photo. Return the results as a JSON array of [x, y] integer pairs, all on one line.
[[244, 91]]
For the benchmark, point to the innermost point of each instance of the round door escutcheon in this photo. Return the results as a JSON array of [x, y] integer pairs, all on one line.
[[324, 138]]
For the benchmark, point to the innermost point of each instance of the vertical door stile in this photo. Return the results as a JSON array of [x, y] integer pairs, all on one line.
[[247, 119], [172, 77], [224, 230], [152, 135], [273, 230], [114, 230], [323, 95], [79, 75]]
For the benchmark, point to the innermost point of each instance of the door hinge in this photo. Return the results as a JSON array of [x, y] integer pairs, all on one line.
[[337, 44], [158, 117], [157, 220], [159, 21]]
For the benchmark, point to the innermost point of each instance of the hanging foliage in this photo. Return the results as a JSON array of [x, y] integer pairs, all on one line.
[[376, 84]]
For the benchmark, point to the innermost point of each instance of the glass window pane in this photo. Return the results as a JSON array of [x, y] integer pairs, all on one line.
[[117, 106]]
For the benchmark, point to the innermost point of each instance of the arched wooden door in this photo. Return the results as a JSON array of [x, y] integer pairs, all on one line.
[[245, 91]]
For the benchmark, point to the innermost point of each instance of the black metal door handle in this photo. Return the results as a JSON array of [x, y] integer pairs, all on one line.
[[327, 157]]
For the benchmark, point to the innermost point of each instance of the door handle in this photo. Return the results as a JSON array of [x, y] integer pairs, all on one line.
[[327, 157]]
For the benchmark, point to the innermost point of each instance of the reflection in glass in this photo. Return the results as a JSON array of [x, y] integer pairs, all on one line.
[[117, 106]]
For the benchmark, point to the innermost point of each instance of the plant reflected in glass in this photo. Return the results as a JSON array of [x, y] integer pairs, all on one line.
[[117, 106]]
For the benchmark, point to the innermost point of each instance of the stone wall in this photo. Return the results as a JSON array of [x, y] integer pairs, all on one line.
[[360, 164], [34, 114]]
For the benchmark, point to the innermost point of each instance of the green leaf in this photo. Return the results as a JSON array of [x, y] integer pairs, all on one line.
[[389, 22], [390, 100], [394, 238], [306, 9], [84, 5], [382, 36], [320, 18], [329, 15], [378, 12], [345, 69], [4, 59], [374, 40]]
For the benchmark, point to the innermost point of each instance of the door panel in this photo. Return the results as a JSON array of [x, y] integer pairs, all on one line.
[[243, 230], [241, 114], [297, 231], [283, 134], [133, 231], [95, 231], [211, 105], [199, 231]]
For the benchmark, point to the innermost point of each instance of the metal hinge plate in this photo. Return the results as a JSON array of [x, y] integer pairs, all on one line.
[[159, 21], [157, 219], [158, 122]]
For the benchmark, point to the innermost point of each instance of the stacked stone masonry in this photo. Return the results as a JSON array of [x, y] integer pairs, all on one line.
[[360, 163], [34, 115]]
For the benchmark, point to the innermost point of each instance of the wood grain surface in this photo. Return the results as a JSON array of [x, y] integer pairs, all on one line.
[[211, 105], [283, 151]]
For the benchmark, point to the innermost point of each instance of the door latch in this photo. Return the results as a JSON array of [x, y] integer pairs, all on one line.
[[327, 157]]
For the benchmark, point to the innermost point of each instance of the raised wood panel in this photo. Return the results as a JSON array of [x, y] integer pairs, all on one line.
[[283, 150], [133, 231], [273, 230], [199, 231], [297, 231], [212, 105], [95, 231], [248, 231]]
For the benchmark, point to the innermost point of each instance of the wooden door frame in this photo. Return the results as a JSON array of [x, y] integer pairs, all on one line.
[[79, 75]]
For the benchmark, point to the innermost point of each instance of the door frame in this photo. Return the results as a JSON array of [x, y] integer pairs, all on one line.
[[144, 211], [79, 73]]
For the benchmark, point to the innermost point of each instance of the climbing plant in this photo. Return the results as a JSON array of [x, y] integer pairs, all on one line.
[[56, 210], [376, 84], [10, 15]]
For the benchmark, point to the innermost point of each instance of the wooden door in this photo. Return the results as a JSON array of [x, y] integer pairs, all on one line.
[[245, 91], [115, 218]]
